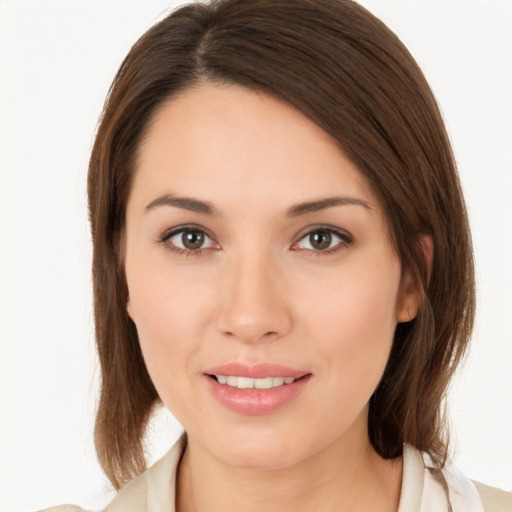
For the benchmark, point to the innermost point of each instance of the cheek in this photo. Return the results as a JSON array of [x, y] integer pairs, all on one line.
[[169, 315], [355, 323]]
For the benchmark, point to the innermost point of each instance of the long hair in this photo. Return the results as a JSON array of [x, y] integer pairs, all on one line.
[[346, 71]]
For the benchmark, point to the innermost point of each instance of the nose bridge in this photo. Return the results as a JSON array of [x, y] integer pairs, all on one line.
[[254, 306]]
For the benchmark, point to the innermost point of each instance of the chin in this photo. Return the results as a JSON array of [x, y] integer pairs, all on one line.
[[257, 449], [262, 459]]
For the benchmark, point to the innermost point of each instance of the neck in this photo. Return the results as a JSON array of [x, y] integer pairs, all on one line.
[[345, 476]]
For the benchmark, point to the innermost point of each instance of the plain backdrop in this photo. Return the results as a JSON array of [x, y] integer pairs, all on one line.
[[58, 58]]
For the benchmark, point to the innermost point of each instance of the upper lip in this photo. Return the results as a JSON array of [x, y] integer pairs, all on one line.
[[255, 371]]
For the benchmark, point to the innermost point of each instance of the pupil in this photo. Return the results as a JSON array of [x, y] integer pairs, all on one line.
[[321, 240], [193, 239]]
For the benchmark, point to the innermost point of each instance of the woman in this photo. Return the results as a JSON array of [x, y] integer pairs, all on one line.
[[282, 258]]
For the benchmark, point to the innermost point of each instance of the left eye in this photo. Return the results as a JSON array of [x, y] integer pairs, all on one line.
[[190, 240], [321, 240]]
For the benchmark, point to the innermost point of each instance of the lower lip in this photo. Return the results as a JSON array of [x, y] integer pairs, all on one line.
[[255, 402]]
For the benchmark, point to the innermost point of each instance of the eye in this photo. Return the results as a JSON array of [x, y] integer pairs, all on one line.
[[324, 240], [188, 240]]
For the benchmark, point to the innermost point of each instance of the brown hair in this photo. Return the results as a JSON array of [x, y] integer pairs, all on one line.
[[346, 71]]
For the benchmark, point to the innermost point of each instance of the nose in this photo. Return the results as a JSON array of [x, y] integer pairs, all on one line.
[[254, 301]]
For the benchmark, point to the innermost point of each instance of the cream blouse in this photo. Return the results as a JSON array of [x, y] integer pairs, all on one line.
[[154, 490]]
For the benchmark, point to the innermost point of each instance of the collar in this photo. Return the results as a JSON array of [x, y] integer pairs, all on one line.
[[155, 489]]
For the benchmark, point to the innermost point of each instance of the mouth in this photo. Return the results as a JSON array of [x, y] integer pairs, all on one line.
[[250, 383], [257, 389]]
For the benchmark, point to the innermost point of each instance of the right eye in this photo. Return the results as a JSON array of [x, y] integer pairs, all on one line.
[[188, 240]]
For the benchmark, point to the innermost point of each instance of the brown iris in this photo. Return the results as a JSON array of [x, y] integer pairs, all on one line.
[[320, 240], [192, 240]]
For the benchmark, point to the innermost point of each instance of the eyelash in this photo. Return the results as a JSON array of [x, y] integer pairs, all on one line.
[[345, 240], [167, 235]]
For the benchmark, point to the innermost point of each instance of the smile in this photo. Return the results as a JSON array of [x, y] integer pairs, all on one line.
[[255, 389], [249, 383], [256, 395]]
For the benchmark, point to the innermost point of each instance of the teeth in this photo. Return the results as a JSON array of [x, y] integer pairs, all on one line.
[[248, 383], [263, 383], [277, 381], [232, 381], [245, 383]]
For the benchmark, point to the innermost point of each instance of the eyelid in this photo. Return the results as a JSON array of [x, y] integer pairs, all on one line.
[[165, 237], [346, 238]]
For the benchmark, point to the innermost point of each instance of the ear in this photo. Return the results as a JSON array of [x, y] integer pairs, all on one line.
[[411, 295], [129, 307]]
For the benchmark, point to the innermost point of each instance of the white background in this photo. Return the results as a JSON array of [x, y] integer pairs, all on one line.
[[57, 60]]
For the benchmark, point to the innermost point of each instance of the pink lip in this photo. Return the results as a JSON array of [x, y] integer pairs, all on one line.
[[254, 402], [255, 371]]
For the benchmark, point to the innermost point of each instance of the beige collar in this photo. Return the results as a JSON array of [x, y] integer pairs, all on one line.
[[155, 489]]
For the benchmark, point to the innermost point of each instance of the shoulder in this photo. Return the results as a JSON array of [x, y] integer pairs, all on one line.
[[493, 499], [466, 494], [424, 488], [152, 491]]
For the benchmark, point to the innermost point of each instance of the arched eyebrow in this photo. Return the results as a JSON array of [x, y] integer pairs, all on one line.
[[328, 202], [186, 203]]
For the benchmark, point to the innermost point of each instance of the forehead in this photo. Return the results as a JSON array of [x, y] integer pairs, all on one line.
[[226, 142]]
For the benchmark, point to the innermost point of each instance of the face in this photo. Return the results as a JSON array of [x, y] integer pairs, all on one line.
[[262, 281]]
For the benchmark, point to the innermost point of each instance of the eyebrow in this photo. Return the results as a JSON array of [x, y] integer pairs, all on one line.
[[206, 208], [186, 203], [328, 202]]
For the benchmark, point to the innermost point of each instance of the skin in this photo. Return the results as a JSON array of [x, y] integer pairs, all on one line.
[[259, 290]]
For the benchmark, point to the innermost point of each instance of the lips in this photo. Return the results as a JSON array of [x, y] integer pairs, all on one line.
[[255, 389]]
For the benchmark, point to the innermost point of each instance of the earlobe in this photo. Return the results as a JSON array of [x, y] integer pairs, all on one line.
[[410, 299], [412, 295]]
